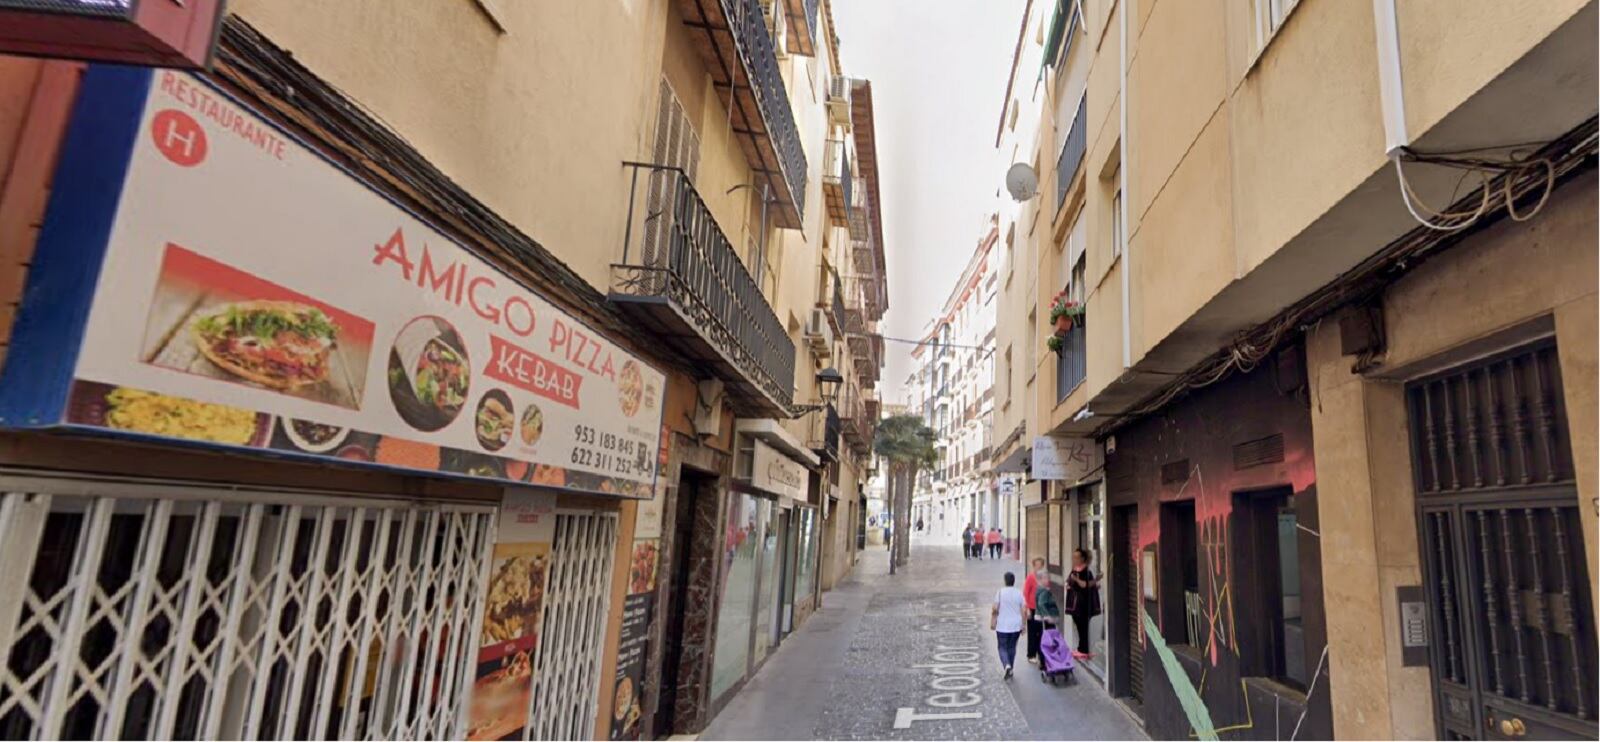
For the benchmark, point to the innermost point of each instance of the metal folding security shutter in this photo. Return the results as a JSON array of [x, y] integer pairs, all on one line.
[[138, 611], [566, 674], [1135, 615]]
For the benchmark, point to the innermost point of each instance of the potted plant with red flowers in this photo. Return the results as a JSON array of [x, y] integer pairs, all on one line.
[[1065, 312]]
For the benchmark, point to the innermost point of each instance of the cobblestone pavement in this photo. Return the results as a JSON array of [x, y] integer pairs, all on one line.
[[886, 654]]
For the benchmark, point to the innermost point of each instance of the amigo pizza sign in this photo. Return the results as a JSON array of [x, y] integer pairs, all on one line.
[[204, 277]]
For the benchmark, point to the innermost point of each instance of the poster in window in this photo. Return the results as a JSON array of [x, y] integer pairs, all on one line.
[[513, 604]]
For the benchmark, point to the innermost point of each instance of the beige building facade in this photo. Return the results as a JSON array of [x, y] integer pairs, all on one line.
[[1218, 189], [694, 182]]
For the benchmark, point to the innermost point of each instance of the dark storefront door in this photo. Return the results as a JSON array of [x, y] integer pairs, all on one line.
[[1127, 649], [1512, 637], [689, 492]]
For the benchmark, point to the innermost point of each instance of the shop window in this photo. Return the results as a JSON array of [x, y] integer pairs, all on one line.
[[1267, 581], [1182, 606]]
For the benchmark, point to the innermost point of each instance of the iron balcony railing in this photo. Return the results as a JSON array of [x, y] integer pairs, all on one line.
[[761, 60], [860, 210], [835, 179], [1071, 154], [685, 271], [825, 430], [847, 180], [1070, 366], [837, 306]]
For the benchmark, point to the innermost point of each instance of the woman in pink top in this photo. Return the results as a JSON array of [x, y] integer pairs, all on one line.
[[994, 543], [1030, 587]]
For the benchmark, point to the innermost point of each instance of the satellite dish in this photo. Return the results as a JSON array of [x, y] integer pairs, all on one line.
[[1022, 182]]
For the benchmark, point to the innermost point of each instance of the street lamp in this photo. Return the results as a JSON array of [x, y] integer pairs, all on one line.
[[828, 381]]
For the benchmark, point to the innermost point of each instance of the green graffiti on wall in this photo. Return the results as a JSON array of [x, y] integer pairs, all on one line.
[[1182, 687]]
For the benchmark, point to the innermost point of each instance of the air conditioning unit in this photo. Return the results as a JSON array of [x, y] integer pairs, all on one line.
[[819, 333]]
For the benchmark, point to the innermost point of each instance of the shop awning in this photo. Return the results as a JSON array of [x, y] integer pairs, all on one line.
[[1015, 462], [773, 434]]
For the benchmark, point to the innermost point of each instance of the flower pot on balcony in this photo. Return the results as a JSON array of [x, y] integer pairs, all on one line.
[[1063, 323], [1054, 344]]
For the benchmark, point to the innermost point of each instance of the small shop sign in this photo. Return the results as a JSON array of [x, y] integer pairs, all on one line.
[[203, 277], [1066, 459], [774, 472]]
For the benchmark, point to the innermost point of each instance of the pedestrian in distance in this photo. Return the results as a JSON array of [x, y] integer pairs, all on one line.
[[1030, 587], [994, 543], [1005, 618], [919, 524], [1083, 598], [966, 543]]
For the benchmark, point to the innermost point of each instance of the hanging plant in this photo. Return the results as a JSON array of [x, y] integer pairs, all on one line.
[[1065, 313], [1054, 344]]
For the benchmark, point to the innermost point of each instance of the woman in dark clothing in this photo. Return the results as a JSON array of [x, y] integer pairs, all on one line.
[[1083, 597]]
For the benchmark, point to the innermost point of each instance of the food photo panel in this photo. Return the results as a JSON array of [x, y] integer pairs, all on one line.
[[213, 320]]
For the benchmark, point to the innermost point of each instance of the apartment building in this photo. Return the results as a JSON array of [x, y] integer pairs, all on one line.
[[1315, 281], [639, 242], [950, 386]]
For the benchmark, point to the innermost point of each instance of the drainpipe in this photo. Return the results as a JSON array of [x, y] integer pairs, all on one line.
[[1122, 176], [1390, 86]]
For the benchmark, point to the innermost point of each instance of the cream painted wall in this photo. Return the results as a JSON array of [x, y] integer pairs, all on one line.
[[448, 81], [1446, 60]]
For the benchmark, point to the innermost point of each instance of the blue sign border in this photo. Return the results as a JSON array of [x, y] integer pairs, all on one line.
[[71, 249]]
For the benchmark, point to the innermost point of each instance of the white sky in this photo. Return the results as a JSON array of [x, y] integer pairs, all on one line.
[[938, 70]]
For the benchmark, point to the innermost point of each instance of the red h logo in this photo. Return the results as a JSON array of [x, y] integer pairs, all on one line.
[[179, 137]]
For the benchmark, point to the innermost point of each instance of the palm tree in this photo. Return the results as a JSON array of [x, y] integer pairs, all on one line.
[[907, 444]]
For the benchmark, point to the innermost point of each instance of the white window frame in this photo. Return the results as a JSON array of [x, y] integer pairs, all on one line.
[[1117, 228], [1270, 15]]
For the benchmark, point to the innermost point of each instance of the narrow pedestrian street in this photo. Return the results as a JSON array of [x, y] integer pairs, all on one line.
[[863, 666]]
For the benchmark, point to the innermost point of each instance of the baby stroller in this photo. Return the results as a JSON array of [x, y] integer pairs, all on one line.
[[1055, 657]]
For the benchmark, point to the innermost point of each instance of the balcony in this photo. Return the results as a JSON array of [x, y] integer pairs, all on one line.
[[803, 26], [1071, 154], [861, 254], [738, 53], [860, 209], [682, 281], [1070, 366], [857, 427], [825, 429], [831, 297], [837, 183], [839, 100]]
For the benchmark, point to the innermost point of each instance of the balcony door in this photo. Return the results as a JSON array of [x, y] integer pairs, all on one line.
[[676, 145]]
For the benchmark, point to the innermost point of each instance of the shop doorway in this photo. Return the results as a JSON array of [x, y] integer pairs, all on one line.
[[1127, 644], [1511, 630], [692, 487], [788, 541]]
